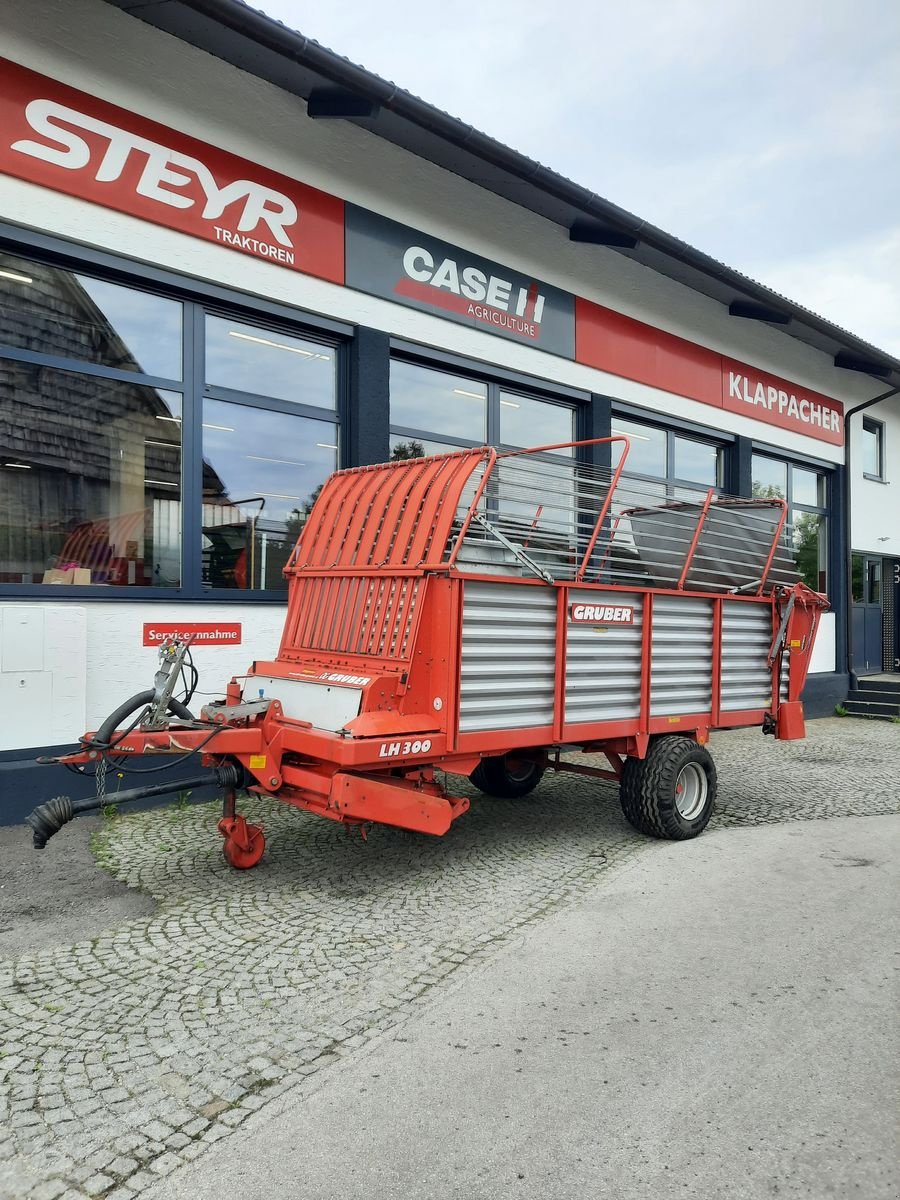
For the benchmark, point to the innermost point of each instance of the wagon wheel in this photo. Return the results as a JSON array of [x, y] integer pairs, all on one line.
[[244, 844], [507, 776], [672, 792]]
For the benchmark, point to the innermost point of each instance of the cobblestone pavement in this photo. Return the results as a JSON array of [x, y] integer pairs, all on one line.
[[127, 1055]]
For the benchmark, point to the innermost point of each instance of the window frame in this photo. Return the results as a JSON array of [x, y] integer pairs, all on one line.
[[823, 510], [198, 299], [673, 430], [495, 380], [871, 425]]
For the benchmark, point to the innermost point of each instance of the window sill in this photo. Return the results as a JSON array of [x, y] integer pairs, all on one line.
[[876, 479]]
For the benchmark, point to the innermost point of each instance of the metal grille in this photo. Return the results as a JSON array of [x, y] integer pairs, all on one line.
[[681, 657], [354, 614], [566, 520], [746, 638], [603, 662], [889, 589], [508, 656]]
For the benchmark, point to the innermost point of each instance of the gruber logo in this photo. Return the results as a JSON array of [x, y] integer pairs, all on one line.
[[606, 614], [71, 142], [471, 292]]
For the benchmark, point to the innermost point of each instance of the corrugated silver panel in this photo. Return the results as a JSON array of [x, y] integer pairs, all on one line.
[[508, 656], [603, 662], [681, 656], [746, 637]]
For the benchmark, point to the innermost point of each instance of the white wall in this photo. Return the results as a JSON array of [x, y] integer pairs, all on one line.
[[65, 667], [875, 506]]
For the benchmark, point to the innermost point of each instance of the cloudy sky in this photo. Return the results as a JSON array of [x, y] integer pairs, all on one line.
[[764, 132]]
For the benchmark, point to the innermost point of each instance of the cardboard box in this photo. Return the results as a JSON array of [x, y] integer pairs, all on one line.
[[72, 575]]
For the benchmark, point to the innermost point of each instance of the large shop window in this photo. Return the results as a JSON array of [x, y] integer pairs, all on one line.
[[434, 411], [97, 396], [805, 491], [672, 465]]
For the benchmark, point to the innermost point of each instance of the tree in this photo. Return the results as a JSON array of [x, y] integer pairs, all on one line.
[[410, 449]]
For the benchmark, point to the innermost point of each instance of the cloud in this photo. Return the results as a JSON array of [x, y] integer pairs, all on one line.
[[853, 285], [760, 131]]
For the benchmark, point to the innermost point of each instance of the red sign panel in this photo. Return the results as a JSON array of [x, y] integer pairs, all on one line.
[[623, 346], [66, 140], [768, 398], [218, 633]]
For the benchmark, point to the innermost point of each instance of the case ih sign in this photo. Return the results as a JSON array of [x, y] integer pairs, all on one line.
[[401, 264], [73, 143]]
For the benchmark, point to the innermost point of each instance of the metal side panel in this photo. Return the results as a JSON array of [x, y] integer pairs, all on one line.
[[603, 661], [508, 656], [681, 656], [746, 637]]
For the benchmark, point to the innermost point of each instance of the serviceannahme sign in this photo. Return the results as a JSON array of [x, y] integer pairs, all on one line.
[[218, 633], [71, 142], [401, 264]]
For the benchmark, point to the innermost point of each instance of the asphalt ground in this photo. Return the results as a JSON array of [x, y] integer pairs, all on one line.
[[718, 1020]]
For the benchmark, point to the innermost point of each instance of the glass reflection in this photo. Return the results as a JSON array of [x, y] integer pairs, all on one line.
[[266, 362], [49, 310], [90, 479], [697, 461], [526, 421], [438, 402], [647, 453], [769, 478], [262, 473]]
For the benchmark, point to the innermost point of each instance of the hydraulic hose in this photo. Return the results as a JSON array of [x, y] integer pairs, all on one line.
[[47, 819], [101, 738]]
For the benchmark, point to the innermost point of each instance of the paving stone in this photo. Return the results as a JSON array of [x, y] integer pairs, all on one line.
[[240, 985]]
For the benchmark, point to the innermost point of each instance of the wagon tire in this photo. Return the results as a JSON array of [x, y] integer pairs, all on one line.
[[672, 792], [507, 776]]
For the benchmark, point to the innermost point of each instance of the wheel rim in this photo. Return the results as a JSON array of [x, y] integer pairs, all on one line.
[[691, 789], [519, 770]]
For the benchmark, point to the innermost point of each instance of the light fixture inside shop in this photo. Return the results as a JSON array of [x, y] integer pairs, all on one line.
[[326, 446], [161, 483], [15, 275], [286, 462], [177, 420], [224, 428], [509, 404], [638, 437], [471, 395], [279, 496], [250, 337], [167, 445], [18, 466]]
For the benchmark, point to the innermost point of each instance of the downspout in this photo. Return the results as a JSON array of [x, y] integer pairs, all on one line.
[[854, 682]]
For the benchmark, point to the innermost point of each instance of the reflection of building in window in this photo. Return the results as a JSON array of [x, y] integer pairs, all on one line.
[[90, 467], [806, 532]]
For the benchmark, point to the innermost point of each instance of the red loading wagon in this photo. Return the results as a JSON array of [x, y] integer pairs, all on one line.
[[480, 613]]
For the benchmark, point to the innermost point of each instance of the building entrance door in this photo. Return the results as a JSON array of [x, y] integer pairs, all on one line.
[[867, 616]]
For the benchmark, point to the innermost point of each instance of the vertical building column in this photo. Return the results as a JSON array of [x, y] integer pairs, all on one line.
[[738, 479], [597, 423], [368, 398]]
